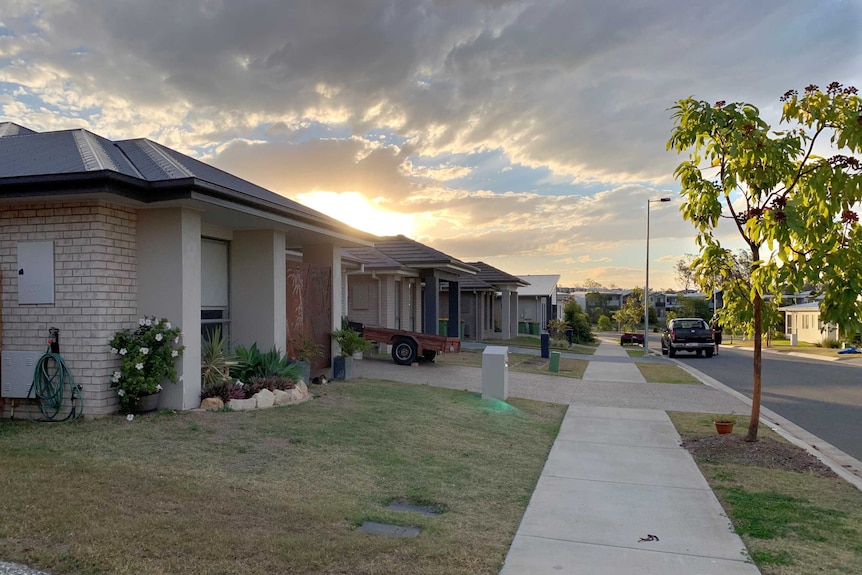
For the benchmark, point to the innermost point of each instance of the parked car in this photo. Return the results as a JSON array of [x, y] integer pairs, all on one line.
[[687, 334], [632, 339]]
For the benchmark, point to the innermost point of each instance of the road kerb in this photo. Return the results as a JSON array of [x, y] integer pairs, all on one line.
[[845, 466]]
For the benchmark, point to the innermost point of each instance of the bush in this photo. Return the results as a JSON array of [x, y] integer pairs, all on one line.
[[270, 382], [605, 324], [578, 321], [252, 363], [148, 356], [350, 341], [226, 389], [831, 343]]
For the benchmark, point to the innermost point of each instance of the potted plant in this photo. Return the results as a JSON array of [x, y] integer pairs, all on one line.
[[724, 423], [350, 341], [147, 359], [304, 350]]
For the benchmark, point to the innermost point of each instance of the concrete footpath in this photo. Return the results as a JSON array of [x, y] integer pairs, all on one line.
[[617, 494]]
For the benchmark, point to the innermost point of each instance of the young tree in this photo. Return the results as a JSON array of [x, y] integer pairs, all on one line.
[[684, 271], [793, 208], [631, 314], [604, 324], [693, 307], [578, 321]]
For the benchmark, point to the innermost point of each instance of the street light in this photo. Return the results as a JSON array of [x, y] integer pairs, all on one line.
[[646, 285]]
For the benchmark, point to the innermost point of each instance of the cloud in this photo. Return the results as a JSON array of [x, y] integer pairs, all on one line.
[[500, 127]]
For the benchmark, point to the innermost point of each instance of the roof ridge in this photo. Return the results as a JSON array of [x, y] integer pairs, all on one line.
[[166, 163], [92, 154]]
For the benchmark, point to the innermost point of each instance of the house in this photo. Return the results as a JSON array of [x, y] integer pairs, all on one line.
[[398, 283], [537, 303], [802, 323], [96, 233], [490, 303]]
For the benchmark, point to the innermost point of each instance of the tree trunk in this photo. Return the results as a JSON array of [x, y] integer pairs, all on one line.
[[755, 394]]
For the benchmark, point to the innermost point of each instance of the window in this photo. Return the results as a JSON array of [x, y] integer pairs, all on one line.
[[215, 288]]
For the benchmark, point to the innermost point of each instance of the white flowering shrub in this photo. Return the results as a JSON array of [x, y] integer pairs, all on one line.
[[148, 357]]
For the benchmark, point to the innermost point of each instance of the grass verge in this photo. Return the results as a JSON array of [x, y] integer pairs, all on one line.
[[792, 523], [665, 373], [520, 362], [555, 344], [279, 490]]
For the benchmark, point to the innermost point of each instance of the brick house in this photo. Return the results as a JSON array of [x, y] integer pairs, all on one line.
[[96, 233]]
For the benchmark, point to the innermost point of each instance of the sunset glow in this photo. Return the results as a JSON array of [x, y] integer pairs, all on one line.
[[354, 210]]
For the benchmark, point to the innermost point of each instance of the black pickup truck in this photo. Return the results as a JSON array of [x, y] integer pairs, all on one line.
[[687, 334]]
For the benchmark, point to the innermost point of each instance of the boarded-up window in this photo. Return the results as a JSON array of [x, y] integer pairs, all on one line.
[[360, 296]]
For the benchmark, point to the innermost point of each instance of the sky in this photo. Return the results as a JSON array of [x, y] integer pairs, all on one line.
[[526, 134]]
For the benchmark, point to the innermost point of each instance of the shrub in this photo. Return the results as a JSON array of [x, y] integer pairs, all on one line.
[[270, 382], [350, 341], [215, 359], [252, 363], [304, 348], [831, 343], [225, 390], [605, 324], [147, 357]]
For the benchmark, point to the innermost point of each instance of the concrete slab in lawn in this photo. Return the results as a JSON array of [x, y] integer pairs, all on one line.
[[374, 528], [552, 557]]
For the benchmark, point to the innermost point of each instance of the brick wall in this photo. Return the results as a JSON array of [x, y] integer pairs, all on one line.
[[95, 288]]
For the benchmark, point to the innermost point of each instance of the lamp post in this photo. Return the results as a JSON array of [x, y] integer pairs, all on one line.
[[646, 283]]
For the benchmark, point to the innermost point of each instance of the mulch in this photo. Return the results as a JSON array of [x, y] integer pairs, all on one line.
[[765, 452]]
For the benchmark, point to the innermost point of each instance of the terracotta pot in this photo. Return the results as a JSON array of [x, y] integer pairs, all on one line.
[[723, 427]]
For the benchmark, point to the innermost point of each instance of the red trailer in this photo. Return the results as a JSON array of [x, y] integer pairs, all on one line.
[[409, 346]]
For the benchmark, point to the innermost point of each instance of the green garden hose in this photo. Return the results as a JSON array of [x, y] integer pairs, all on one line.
[[50, 379]]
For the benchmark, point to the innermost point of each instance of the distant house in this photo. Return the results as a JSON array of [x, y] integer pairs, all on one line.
[[489, 303], [96, 233], [802, 322], [537, 302], [397, 283]]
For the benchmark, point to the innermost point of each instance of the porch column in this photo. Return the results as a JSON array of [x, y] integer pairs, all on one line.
[[454, 328], [431, 307], [169, 286], [258, 286], [506, 314], [513, 313]]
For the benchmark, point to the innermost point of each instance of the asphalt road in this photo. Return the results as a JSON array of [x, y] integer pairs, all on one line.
[[822, 397]]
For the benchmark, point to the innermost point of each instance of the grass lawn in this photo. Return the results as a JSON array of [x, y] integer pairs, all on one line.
[[793, 523], [535, 342], [520, 362], [279, 490], [665, 373]]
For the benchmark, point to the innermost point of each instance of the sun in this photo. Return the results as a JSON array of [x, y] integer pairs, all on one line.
[[355, 210]]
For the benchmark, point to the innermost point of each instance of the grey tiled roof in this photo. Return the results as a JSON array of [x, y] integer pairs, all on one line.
[[494, 276], [413, 253], [32, 158], [373, 259]]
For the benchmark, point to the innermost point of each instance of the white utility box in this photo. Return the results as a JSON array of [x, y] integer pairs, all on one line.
[[495, 373], [17, 372]]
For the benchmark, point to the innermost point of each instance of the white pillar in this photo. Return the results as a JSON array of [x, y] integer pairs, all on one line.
[[169, 286], [258, 289]]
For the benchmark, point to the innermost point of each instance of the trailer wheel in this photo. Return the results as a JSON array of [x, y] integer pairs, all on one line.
[[429, 354], [404, 351]]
